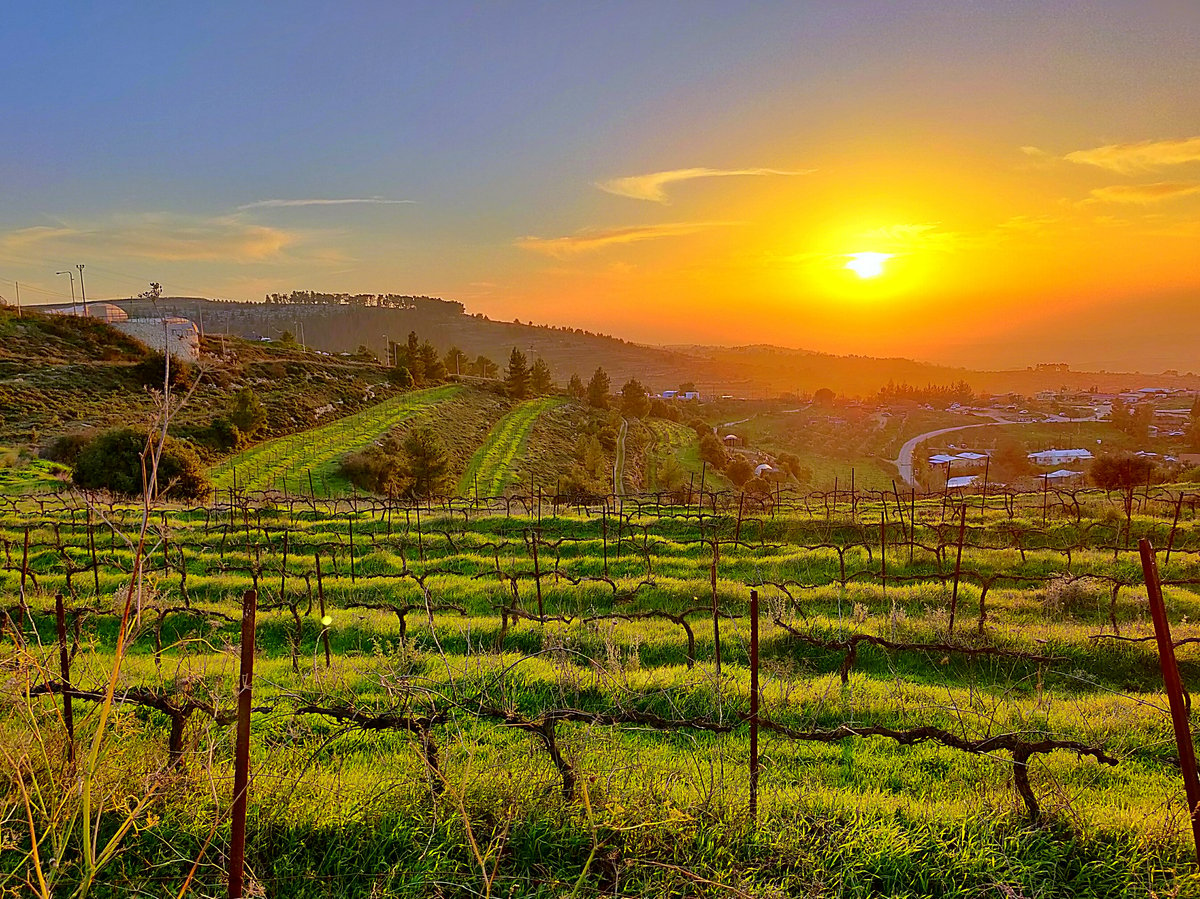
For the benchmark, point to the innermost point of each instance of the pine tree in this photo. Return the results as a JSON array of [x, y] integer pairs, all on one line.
[[540, 380], [575, 387], [517, 379], [597, 390], [426, 463]]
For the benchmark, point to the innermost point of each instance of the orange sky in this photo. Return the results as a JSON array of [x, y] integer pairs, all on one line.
[[668, 174]]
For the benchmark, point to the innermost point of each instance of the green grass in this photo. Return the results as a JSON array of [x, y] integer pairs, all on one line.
[[336, 811], [34, 476], [287, 463], [492, 467]]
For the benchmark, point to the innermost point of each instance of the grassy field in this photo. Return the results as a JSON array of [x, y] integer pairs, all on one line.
[[477, 626], [287, 463], [494, 466]]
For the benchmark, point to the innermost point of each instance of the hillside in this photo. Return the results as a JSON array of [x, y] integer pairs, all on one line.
[[60, 374], [750, 371]]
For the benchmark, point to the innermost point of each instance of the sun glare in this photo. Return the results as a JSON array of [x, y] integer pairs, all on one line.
[[867, 265]]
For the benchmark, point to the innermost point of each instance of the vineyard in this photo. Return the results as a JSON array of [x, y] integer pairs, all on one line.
[[307, 462], [843, 693], [491, 468]]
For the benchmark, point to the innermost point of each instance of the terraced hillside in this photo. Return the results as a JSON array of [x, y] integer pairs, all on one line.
[[494, 466], [307, 462]]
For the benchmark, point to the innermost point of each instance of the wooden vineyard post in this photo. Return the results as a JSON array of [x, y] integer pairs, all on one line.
[[754, 708], [64, 668], [716, 609], [987, 467], [537, 577], [241, 760], [283, 566], [321, 606], [92, 548], [1174, 688], [962, 533], [604, 534]]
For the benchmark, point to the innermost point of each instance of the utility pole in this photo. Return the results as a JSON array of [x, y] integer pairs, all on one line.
[[17, 285], [70, 274], [82, 291]]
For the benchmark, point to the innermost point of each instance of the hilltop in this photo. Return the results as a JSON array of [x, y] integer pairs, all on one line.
[[750, 371]]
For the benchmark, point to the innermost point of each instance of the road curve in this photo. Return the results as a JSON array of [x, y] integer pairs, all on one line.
[[904, 462]]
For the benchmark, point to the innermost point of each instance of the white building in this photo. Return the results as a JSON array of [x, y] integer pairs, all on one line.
[[1060, 456]]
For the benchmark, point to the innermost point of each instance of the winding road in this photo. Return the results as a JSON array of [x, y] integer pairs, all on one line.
[[904, 462]]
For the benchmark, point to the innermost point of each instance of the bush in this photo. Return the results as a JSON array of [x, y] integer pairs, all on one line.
[[151, 372], [400, 376], [224, 435], [66, 449], [740, 470], [713, 452], [1121, 471], [375, 469], [113, 461], [1072, 595], [246, 413]]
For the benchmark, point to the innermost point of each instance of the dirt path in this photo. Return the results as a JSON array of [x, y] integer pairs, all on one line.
[[619, 461]]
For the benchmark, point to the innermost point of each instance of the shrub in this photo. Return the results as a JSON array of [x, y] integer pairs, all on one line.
[[246, 413], [113, 461], [1072, 595], [66, 448], [740, 470], [151, 372], [375, 469], [224, 434], [1121, 471]]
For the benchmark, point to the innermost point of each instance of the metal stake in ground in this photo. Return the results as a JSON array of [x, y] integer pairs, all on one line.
[[1174, 687], [241, 759], [754, 707], [64, 666]]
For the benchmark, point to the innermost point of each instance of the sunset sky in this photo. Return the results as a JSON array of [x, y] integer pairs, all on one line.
[[1028, 172]]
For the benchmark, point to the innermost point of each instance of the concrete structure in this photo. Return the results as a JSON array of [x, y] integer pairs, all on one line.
[[174, 335], [964, 481], [105, 312]]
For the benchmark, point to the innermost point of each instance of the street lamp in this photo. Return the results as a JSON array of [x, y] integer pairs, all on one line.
[[82, 289], [71, 275]]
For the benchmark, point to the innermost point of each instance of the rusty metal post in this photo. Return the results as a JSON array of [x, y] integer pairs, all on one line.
[[754, 707], [1174, 687], [241, 758], [64, 668]]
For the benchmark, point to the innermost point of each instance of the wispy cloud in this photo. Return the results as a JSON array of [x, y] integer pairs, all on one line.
[[1145, 194], [905, 237], [157, 236], [586, 241], [337, 201], [1141, 156], [653, 186]]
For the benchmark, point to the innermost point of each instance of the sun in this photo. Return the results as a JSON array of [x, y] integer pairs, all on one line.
[[867, 265]]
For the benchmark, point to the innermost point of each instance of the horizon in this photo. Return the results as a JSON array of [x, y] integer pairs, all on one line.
[[983, 189]]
